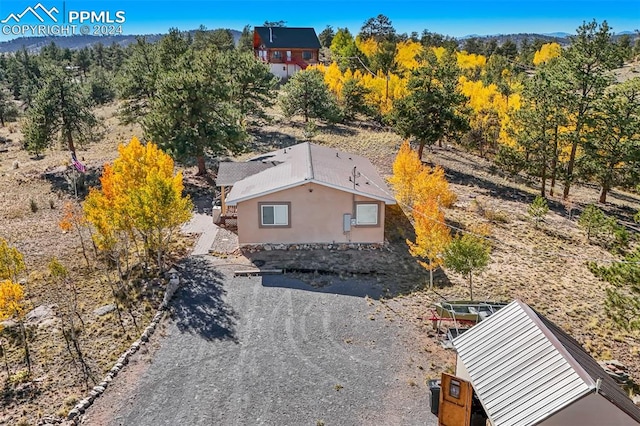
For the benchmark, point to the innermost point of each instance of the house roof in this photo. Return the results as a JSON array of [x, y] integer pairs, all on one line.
[[524, 368], [311, 163], [229, 172], [288, 37]]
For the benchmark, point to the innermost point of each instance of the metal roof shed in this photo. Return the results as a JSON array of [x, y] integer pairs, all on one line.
[[525, 370]]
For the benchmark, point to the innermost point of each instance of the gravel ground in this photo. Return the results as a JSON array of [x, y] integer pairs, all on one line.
[[272, 350]]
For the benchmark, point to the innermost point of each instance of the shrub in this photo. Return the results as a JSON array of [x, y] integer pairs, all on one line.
[[538, 209]]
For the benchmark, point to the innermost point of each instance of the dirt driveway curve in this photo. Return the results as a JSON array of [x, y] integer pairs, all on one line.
[[273, 351]]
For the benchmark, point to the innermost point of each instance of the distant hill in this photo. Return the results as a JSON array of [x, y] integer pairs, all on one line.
[[34, 44], [562, 38]]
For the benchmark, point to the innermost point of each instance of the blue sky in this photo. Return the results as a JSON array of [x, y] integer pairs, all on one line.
[[454, 17]]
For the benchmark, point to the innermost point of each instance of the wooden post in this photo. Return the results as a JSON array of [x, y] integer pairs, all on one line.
[[222, 201]]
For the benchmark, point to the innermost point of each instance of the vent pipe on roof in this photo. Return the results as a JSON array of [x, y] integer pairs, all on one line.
[[270, 35], [598, 384]]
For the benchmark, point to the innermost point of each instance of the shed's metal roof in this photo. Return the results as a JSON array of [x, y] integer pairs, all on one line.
[[307, 162], [524, 368]]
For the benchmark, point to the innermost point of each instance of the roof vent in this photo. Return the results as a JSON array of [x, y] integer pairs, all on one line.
[[337, 155]]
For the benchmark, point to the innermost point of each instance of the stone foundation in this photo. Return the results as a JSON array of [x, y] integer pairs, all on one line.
[[253, 248]]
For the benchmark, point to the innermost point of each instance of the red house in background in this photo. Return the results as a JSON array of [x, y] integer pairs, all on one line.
[[286, 50]]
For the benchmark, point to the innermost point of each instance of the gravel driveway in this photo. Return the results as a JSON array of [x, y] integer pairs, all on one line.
[[272, 350]]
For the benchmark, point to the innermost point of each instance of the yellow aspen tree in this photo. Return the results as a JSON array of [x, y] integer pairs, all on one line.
[[334, 78], [406, 168], [11, 261], [432, 236], [367, 46], [547, 52], [431, 184], [140, 196], [13, 306], [407, 54]]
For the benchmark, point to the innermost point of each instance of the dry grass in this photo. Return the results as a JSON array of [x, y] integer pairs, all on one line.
[[545, 268], [35, 232]]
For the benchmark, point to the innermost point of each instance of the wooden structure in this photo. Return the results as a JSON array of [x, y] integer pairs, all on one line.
[[286, 50]]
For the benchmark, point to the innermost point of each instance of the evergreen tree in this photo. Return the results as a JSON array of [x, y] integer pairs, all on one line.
[[590, 57], [137, 80], [379, 28], [245, 43], [467, 254], [59, 109], [326, 36], [192, 113], [353, 99], [99, 87], [307, 94], [251, 84], [540, 119], [8, 109], [538, 209], [612, 150], [345, 52], [431, 111], [623, 298]]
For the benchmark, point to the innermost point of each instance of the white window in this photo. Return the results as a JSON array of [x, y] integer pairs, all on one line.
[[367, 214], [274, 214]]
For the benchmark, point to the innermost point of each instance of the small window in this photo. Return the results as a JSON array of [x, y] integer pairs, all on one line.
[[454, 389], [277, 54], [274, 214], [307, 55], [367, 214]]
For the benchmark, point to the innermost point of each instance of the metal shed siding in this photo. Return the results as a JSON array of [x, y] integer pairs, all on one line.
[[520, 376]]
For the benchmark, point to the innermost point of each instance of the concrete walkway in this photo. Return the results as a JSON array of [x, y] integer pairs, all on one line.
[[201, 224]]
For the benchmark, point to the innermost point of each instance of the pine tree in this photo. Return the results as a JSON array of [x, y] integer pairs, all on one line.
[[467, 254], [192, 112], [59, 109], [432, 110], [590, 57], [538, 209], [612, 149], [307, 94], [623, 298]]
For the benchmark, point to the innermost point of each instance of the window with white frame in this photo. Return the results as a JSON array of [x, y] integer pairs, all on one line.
[[367, 214], [274, 214]]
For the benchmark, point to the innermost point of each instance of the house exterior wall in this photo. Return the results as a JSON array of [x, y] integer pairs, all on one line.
[[592, 410], [284, 70], [316, 216]]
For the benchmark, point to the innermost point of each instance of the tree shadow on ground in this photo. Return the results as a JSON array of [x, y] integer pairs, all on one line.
[[199, 307], [67, 180], [269, 140]]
